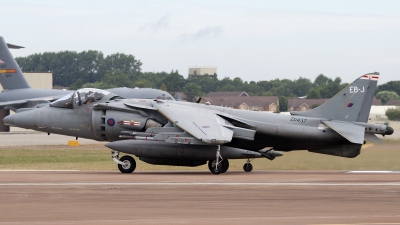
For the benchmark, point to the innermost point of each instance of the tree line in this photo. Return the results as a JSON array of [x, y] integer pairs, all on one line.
[[88, 66], [93, 69]]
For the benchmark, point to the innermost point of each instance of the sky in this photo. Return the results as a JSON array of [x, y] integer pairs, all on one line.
[[253, 40]]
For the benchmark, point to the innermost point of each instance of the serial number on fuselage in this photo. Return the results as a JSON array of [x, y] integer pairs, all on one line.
[[299, 120]]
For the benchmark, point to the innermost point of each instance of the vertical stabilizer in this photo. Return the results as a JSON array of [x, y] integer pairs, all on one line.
[[351, 104], [11, 76], [369, 97]]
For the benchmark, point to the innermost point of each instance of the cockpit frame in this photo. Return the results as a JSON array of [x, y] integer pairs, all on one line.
[[79, 98]]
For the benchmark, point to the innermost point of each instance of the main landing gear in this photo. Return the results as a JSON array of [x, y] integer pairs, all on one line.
[[222, 167], [126, 164], [219, 165]]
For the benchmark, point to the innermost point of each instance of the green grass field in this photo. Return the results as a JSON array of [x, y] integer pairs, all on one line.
[[96, 157]]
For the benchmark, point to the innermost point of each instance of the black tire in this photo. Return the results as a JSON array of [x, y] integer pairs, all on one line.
[[247, 167], [211, 167], [225, 166], [130, 164]]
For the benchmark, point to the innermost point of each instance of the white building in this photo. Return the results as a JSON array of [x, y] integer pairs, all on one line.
[[38, 80], [210, 71]]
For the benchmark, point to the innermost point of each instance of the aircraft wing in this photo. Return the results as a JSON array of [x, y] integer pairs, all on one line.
[[14, 46], [203, 124], [12, 103], [27, 103]]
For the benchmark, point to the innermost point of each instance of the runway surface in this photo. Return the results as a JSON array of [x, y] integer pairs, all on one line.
[[259, 197]]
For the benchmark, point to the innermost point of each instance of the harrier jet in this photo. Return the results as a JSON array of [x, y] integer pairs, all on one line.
[[18, 94], [177, 133]]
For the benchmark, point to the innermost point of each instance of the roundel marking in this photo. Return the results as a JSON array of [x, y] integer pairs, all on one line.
[[111, 122]]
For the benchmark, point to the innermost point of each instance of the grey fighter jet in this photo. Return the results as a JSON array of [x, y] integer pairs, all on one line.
[[177, 133], [18, 94]]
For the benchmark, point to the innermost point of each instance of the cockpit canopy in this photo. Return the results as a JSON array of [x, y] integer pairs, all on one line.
[[80, 97]]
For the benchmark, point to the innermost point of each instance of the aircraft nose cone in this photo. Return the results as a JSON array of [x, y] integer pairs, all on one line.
[[8, 120], [25, 119], [389, 130]]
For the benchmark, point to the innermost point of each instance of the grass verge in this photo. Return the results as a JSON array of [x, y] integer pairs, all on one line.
[[373, 157]]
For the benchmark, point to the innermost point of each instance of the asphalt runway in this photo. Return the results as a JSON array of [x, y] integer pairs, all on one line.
[[168, 197]]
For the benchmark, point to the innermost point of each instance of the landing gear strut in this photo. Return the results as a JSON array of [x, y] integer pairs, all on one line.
[[216, 165], [126, 164], [248, 167]]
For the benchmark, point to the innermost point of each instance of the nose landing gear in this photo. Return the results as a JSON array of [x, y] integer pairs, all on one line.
[[126, 164]]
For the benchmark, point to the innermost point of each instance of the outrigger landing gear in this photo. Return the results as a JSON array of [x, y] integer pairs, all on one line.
[[126, 164], [248, 167]]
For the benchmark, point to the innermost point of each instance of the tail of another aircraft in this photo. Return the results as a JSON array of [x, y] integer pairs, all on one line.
[[352, 104], [11, 76]]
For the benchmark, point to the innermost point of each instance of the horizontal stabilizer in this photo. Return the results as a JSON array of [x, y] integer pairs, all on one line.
[[353, 133], [14, 46], [372, 137]]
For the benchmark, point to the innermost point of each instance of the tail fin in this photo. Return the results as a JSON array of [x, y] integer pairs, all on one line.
[[11, 76], [353, 103]]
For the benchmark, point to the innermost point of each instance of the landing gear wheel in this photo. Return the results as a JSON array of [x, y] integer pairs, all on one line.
[[216, 166], [222, 167], [129, 164], [247, 167], [211, 167], [225, 166]]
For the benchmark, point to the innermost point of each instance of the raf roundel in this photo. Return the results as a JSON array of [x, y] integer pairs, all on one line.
[[111, 122]]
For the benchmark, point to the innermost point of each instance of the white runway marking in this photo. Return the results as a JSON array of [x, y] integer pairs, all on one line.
[[374, 171], [213, 219], [204, 184], [39, 170]]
